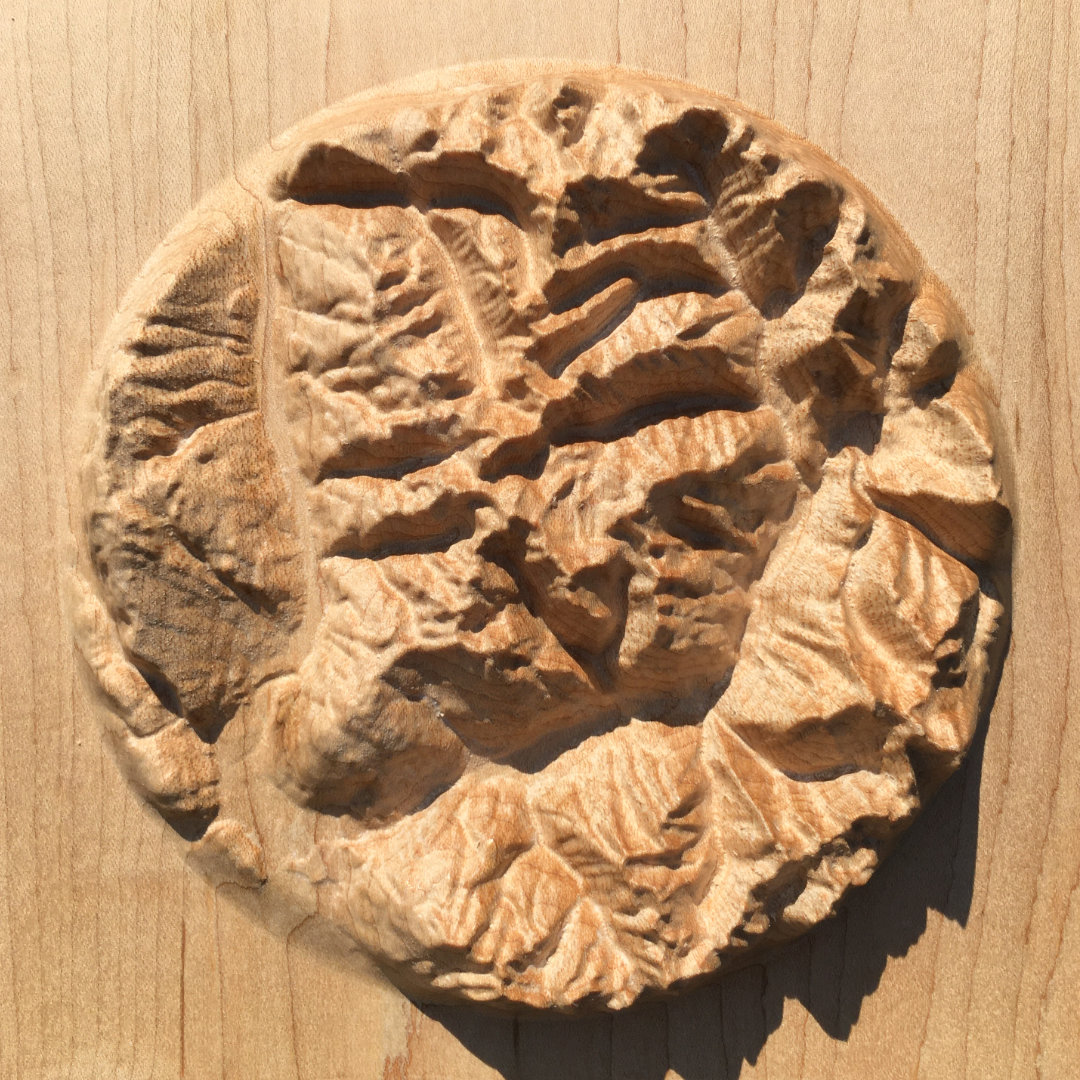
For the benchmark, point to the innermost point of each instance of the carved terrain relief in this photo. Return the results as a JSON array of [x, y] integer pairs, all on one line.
[[548, 531]]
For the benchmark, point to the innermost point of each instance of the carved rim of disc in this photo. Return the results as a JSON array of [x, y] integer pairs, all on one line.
[[547, 526]]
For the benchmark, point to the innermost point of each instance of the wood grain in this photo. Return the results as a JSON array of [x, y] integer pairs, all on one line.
[[961, 958]]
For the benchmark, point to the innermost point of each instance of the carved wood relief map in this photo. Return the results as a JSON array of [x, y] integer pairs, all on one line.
[[550, 531]]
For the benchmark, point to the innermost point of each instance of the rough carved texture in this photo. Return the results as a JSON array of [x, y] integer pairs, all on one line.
[[548, 530]]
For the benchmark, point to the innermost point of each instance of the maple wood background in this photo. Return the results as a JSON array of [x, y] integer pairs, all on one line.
[[960, 959]]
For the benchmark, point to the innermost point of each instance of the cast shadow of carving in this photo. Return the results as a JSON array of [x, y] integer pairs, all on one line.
[[710, 1032]]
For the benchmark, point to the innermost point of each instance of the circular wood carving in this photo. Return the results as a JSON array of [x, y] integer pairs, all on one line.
[[547, 530]]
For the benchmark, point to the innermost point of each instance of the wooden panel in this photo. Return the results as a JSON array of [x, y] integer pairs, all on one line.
[[961, 958]]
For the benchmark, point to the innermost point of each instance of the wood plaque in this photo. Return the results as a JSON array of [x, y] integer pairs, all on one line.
[[124, 951]]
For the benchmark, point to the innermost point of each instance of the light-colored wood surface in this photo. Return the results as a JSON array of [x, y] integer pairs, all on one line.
[[962, 956]]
